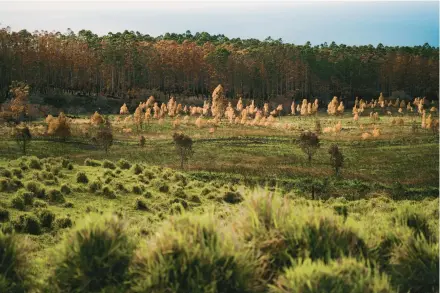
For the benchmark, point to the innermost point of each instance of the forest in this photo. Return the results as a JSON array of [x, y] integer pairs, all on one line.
[[132, 65]]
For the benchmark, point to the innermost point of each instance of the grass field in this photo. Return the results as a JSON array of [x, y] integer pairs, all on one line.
[[239, 218]]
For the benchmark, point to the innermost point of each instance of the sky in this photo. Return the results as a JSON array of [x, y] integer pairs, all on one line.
[[406, 23]]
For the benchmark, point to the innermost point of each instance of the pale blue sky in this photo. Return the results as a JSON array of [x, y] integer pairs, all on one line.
[[351, 23]]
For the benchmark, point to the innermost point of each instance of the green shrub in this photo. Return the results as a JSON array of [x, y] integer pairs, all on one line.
[[137, 169], [341, 209], [63, 223], [46, 218], [108, 192], [414, 219], [17, 202], [4, 215], [189, 254], [109, 164], [137, 189], [28, 223], [55, 196], [283, 231], [149, 174], [148, 194], [68, 205], [5, 173], [95, 186], [232, 197], [17, 173], [140, 204], [28, 197], [195, 199], [7, 185], [415, 266], [124, 164], [180, 193], [118, 171], [346, 275], [94, 258], [81, 177], [65, 163], [109, 173], [15, 269], [36, 188], [40, 204], [108, 180], [34, 163], [70, 166], [65, 189], [92, 163]]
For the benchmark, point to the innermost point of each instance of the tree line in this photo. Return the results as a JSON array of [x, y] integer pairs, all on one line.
[[132, 65]]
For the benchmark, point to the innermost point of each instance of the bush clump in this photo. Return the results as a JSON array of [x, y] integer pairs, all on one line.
[[65, 189], [4, 215], [5, 173], [232, 197], [81, 177], [172, 264], [137, 189], [17, 173], [94, 258], [109, 164], [28, 223], [137, 169], [55, 196], [17, 202], [108, 192], [15, 270], [35, 163], [345, 275], [92, 163], [124, 164], [36, 188], [7, 185], [62, 223], [95, 186], [46, 217], [140, 204], [416, 220], [415, 266]]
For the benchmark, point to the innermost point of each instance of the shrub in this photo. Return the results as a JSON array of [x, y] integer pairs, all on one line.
[[46, 218], [4, 215], [309, 143], [7, 185], [55, 196], [232, 197], [108, 192], [5, 173], [17, 202], [195, 199], [81, 177], [183, 144], [137, 169], [124, 164], [28, 197], [190, 255], [95, 186], [137, 189], [119, 186], [28, 223], [346, 275], [36, 188], [415, 266], [17, 173], [336, 158], [92, 163], [148, 194], [341, 209], [109, 164], [62, 223], [15, 270], [180, 193], [39, 203], [34, 163], [140, 204], [284, 232], [70, 166], [65, 189], [414, 219], [94, 258], [68, 205]]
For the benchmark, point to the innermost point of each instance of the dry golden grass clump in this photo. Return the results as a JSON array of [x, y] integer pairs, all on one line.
[[156, 111], [48, 118], [96, 119], [239, 106], [333, 106], [292, 108], [59, 126], [199, 122], [218, 101]]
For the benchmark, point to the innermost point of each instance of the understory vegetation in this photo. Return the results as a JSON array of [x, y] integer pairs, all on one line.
[[122, 226]]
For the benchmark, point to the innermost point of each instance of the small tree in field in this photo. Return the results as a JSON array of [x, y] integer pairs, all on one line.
[[336, 158], [142, 141], [19, 103], [23, 137], [104, 137], [59, 127], [309, 143], [183, 147]]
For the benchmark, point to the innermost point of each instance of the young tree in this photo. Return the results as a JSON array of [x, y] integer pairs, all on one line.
[[183, 145], [104, 137], [23, 137], [336, 158], [142, 141], [19, 103], [309, 143]]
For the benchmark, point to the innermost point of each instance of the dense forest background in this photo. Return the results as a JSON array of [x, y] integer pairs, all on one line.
[[131, 65]]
